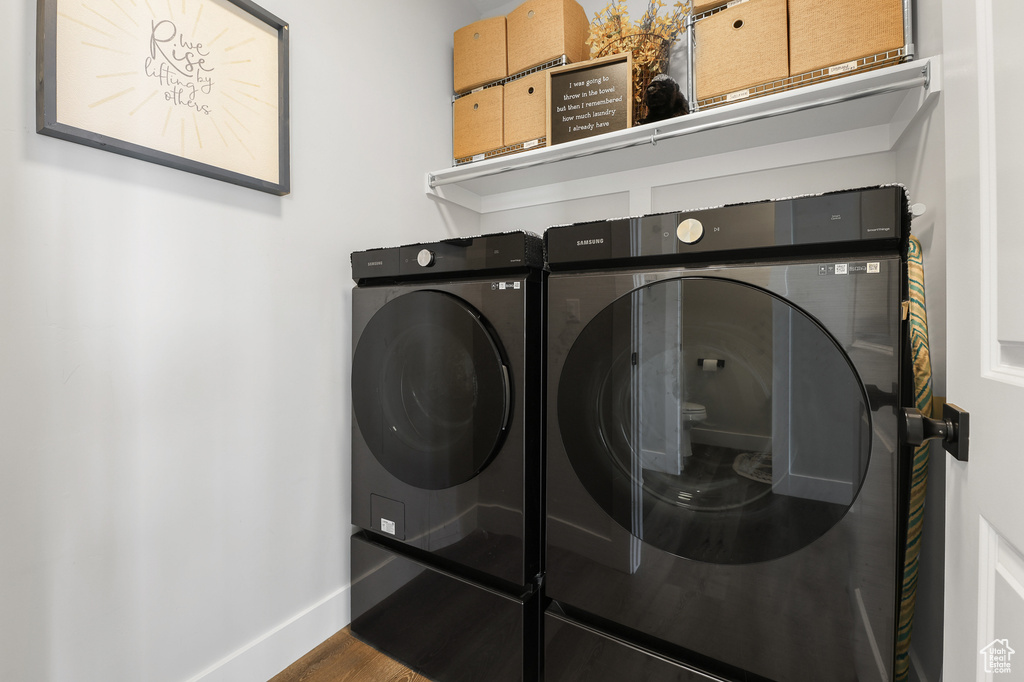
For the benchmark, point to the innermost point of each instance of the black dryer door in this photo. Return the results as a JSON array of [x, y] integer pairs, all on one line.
[[430, 390], [714, 420]]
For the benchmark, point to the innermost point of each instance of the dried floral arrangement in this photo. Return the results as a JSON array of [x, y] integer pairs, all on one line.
[[611, 32]]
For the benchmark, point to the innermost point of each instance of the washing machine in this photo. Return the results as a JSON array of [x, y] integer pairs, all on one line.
[[724, 469], [447, 408]]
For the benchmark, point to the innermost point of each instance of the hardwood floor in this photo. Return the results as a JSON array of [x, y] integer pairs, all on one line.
[[343, 658]]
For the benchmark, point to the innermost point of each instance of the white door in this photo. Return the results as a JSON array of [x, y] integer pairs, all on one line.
[[983, 48]]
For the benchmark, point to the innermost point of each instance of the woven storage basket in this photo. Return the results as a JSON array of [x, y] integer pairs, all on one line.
[[542, 30], [742, 46], [478, 122], [829, 32], [526, 101], [480, 54]]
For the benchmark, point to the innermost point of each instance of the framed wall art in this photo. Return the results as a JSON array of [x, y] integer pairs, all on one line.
[[196, 85]]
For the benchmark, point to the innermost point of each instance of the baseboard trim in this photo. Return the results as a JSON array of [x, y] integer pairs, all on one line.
[[270, 653]]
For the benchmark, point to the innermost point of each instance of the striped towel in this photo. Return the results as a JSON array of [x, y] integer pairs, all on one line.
[[918, 323]]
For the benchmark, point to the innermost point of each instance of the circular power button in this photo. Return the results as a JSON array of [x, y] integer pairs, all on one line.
[[690, 231], [425, 258]]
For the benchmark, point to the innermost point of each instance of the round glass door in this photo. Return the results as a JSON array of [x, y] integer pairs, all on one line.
[[430, 391], [714, 420]]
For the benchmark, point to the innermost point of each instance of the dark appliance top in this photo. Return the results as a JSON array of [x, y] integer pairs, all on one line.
[[485, 253], [863, 220]]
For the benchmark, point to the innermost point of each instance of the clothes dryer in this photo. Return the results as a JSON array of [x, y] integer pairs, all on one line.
[[724, 478], [447, 403]]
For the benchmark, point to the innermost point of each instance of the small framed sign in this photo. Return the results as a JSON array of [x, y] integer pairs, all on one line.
[[590, 98]]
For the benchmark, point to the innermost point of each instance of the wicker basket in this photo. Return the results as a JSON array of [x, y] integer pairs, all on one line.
[[542, 30], [740, 47], [650, 58], [829, 32], [479, 54], [526, 101], [478, 122]]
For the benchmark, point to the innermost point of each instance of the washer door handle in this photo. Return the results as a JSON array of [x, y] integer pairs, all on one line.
[[508, 395], [954, 429]]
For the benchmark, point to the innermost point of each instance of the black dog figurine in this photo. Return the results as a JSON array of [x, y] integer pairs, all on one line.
[[664, 100]]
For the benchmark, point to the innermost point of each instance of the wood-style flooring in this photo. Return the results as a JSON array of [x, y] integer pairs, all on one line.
[[343, 658]]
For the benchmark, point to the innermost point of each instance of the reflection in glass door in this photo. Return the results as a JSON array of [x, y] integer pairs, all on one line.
[[431, 391], [714, 420]]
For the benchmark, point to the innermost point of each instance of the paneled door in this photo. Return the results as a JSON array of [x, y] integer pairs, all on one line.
[[984, 96]]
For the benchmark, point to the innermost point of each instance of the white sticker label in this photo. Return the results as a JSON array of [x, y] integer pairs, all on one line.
[[842, 68], [501, 286], [531, 144], [874, 268], [387, 526], [736, 2], [479, 157], [738, 95], [842, 269], [517, 285]]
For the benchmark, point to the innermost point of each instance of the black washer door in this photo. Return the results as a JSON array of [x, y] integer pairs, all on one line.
[[714, 420], [430, 391]]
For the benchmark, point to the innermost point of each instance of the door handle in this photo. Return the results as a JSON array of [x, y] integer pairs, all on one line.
[[508, 396], [954, 429]]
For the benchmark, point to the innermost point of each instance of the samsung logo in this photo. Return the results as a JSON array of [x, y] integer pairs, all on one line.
[[589, 242], [374, 262]]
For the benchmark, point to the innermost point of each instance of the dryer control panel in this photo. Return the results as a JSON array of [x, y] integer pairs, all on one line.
[[493, 252], [857, 220]]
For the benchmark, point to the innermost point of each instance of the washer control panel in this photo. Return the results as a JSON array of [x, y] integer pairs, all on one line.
[[486, 253], [867, 219]]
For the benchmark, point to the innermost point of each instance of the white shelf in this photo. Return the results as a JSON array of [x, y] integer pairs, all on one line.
[[860, 114]]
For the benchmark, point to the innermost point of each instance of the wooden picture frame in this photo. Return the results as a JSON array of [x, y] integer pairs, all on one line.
[[590, 98], [197, 86]]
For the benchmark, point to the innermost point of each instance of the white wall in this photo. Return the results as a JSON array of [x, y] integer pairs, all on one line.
[[174, 361]]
